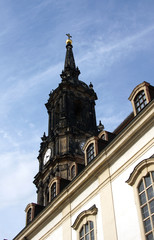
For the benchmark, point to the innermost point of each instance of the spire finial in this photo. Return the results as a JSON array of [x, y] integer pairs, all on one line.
[[68, 41], [70, 72]]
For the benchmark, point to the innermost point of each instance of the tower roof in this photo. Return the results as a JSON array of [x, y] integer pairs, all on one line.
[[70, 72]]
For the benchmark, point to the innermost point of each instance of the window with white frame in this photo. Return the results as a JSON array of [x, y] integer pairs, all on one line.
[[85, 224], [87, 231], [146, 198], [142, 180], [90, 153], [140, 101]]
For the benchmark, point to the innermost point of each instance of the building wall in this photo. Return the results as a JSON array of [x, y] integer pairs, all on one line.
[[117, 216], [102, 183], [50, 230], [127, 219]]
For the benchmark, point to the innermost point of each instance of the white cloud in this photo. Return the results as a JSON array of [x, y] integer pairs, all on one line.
[[107, 54], [17, 170], [7, 138], [22, 87]]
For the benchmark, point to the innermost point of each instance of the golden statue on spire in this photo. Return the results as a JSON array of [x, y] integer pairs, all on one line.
[[68, 41]]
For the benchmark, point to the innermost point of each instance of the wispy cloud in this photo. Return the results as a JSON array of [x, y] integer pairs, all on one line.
[[132, 39], [122, 46], [21, 88], [17, 172], [6, 137]]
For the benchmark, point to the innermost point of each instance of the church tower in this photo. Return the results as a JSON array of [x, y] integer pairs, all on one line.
[[72, 120]]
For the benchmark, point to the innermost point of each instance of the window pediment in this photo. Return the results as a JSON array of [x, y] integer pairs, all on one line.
[[54, 180], [103, 135], [91, 149], [137, 89], [140, 97], [90, 140], [30, 205], [90, 212], [143, 167]]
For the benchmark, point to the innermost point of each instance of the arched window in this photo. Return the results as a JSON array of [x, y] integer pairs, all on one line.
[[53, 191], [73, 172], [87, 231], [90, 152], [85, 224], [140, 101], [29, 215], [142, 180], [146, 197]]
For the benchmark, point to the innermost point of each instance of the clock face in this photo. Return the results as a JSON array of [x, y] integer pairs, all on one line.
[[47, 156]]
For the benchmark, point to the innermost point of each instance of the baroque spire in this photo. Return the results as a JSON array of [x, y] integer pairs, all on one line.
[[70, 72]]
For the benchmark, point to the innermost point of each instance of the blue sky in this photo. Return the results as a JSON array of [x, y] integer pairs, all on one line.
[[113, 45]]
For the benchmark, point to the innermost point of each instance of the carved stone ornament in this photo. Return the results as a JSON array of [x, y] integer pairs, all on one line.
[[143, 165], [91, 211]]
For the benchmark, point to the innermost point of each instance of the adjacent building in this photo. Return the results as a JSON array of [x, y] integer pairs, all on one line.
[[93, 184]]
